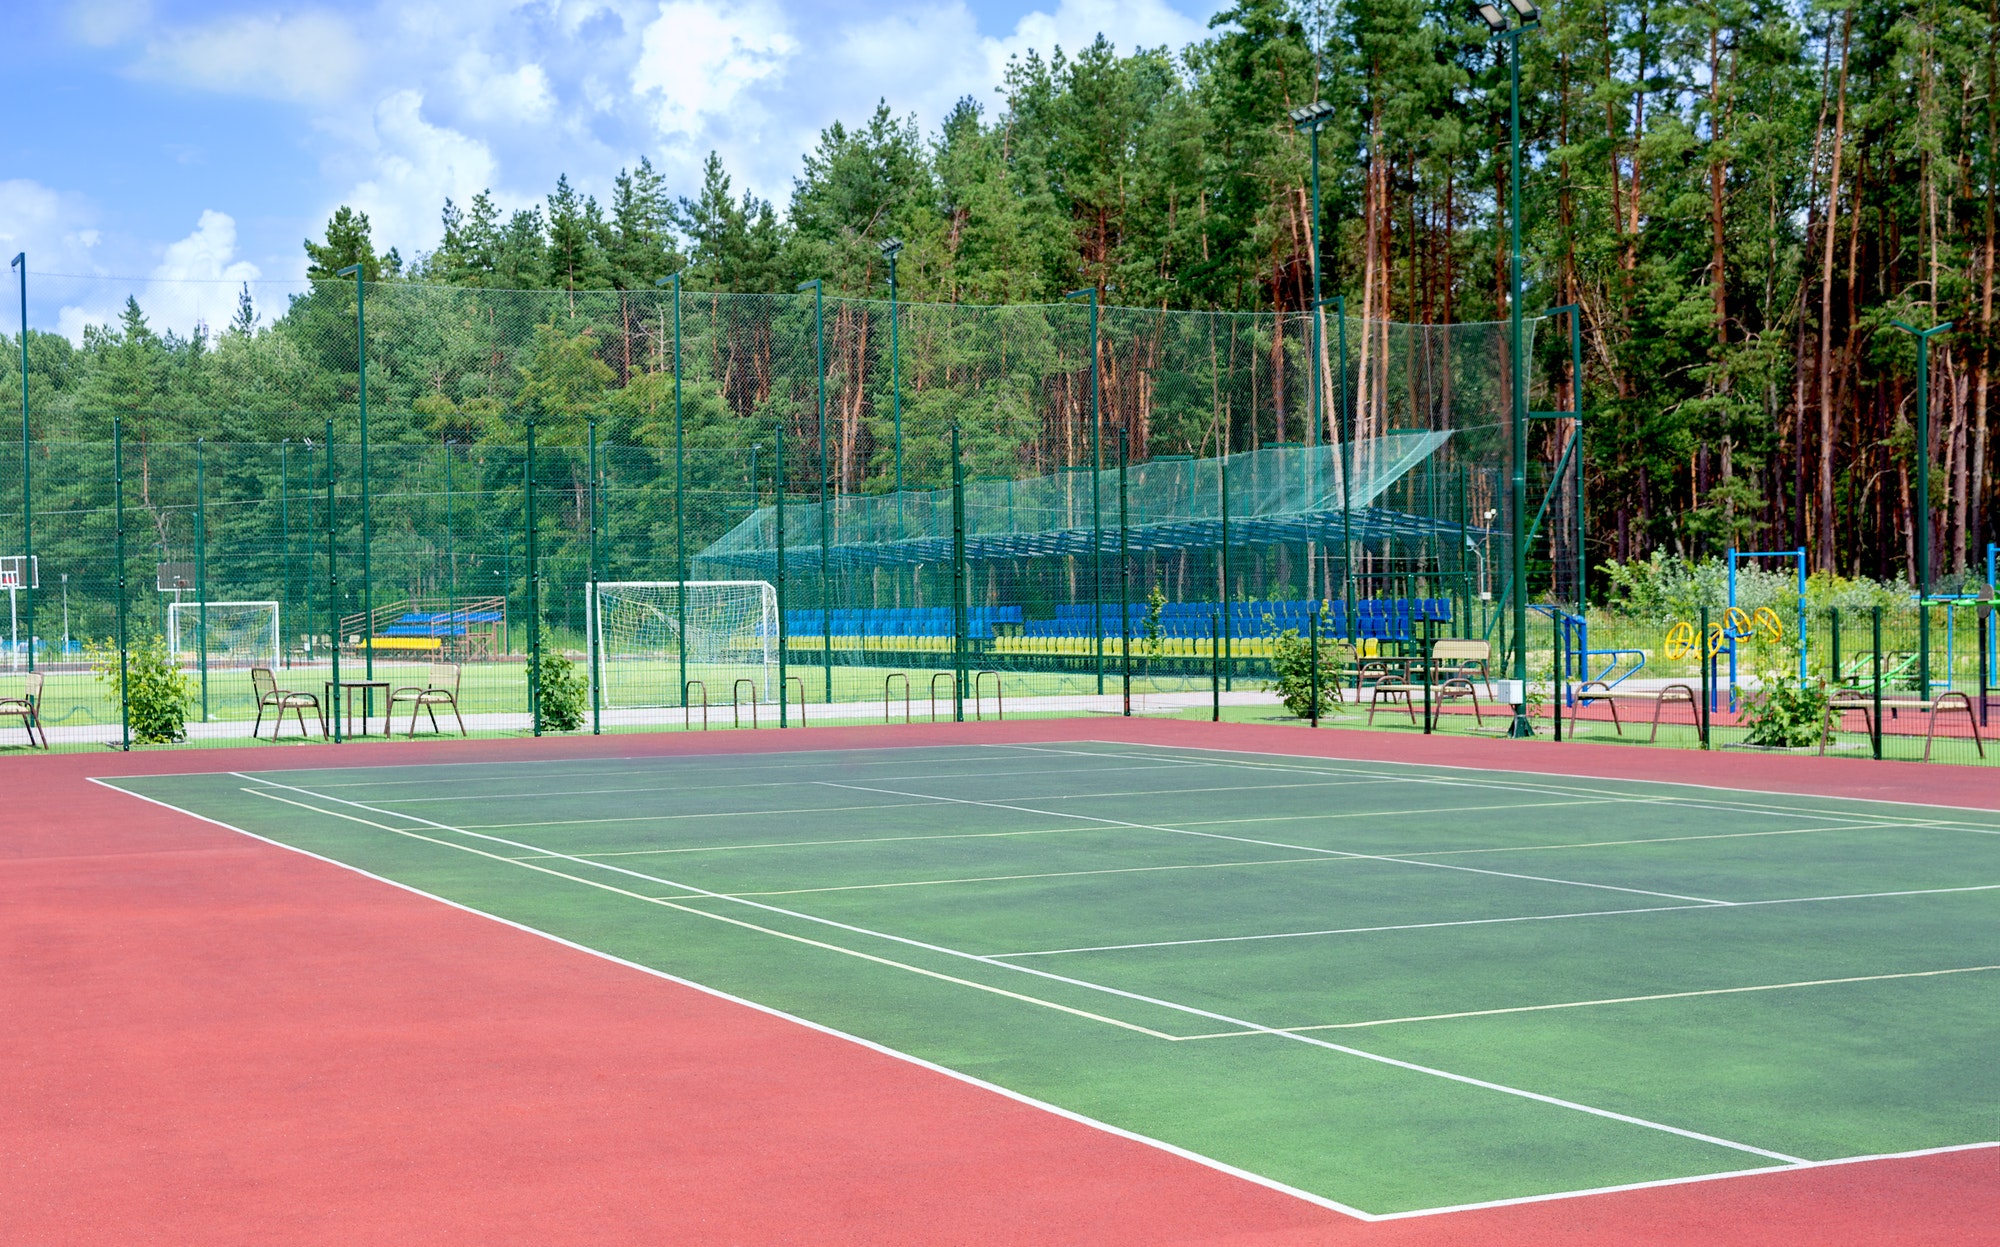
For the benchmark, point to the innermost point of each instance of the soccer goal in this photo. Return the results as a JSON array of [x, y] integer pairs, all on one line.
[[231, 634], [723, 629]]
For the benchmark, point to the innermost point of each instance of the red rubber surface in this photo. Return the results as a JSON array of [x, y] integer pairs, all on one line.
[[207, 1039]]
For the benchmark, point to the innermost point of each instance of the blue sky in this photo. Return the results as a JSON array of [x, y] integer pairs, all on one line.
[[165, 142]]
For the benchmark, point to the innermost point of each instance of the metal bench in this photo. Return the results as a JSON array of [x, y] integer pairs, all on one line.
[[1676, 694]]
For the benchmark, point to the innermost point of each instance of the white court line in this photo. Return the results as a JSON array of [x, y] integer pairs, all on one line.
[[1049, 874], [1191, 1010], [1162, 765], [1523, 782], [1020, 1097], [667, 902], [1483, 922], [799, 844], [822, 1028], [1279, 844], [664, 818], [1615, 1000], [1487, 783]]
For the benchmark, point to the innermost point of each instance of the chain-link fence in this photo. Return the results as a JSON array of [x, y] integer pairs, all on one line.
[[617, 511]]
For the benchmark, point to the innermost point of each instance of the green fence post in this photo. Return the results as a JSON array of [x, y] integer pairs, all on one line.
[[1222, 634], [1215, 668], [534, 586], [118, 497], [1312, 630], [200, 561], [367, 528], [284, 541], [27, 472], [332, 594], [1876, 732], [958, 622], [784, 631], [590, 624], [680, 505], [1833, 618], [1124, 571]]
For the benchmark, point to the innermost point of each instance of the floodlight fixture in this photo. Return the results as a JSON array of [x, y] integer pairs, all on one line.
[[1495, 20], [1527, 12], [889, 247], [1312, 116]]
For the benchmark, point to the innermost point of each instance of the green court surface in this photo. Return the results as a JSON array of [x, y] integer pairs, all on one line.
[[1394, 988]]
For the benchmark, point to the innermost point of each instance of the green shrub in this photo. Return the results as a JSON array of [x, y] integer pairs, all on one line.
[[1292, 659], [563, 691], [1785, 713], [156, 690]]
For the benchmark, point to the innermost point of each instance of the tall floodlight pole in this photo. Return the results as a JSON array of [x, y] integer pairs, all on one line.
[[367, 526], [891, 248], [1311, 118], [27, 472], [1096, 509], [825, 525], [1527, 17], [1922, 522]]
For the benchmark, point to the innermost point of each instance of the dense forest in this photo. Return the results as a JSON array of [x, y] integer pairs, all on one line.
[[1742, 195]]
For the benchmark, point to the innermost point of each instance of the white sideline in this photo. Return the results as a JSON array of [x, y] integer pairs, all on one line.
[[1054, 1109]]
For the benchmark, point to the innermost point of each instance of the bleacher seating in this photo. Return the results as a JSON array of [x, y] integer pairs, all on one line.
[[436, 623], [1375, 619], [900, 621], [1394, 619]]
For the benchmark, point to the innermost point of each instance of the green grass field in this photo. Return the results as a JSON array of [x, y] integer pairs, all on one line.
[[1393, 987]]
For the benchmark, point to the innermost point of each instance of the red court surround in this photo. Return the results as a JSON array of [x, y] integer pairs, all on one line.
[[206, 1039]]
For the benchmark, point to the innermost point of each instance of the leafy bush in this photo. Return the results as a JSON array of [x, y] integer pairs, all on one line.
[[1785, 713], [155, 691], [1292, 659], [1667, 587], [563, 691]]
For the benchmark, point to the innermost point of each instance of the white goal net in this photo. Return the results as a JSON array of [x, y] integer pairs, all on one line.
[[723, 629], [229, 634]]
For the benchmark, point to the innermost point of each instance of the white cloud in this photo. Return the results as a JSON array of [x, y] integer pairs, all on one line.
[[50, 225], [309, 56], [196, 281], [415, 167], [1075, 23], [697, 60], [488, 93]]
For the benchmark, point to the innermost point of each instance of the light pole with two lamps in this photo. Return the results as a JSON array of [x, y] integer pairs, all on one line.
[[1526, 17]]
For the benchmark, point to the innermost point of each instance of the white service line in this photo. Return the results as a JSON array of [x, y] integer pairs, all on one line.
[[1483, 922], [1172, 1006], [1299, 762], [1487, 783], [1615, 1000], [1280, 844]]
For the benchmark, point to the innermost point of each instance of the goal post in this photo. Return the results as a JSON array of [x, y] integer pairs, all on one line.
[[227, 634], [724, 630]]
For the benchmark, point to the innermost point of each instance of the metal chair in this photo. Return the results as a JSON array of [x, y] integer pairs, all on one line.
[[270, 696], [441, 689], [28, 708]]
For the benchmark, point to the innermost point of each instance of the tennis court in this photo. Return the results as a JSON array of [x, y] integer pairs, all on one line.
[[1391, 988]]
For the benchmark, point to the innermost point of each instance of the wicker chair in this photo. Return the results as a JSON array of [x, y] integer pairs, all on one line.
[[28, 708], [441, 689], [271, 697]]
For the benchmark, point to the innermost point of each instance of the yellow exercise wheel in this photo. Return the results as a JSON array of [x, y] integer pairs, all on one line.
[[1737, 621], [1680, 641], [1766, 621]]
